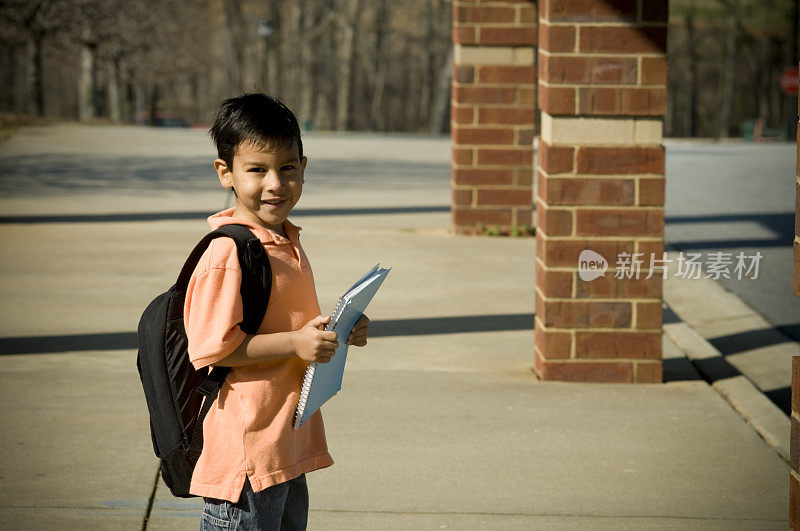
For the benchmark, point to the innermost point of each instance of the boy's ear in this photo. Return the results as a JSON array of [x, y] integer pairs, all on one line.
[[303, 162], [224, 173]]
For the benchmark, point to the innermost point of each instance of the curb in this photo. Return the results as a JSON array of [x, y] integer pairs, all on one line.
[[766, 418]]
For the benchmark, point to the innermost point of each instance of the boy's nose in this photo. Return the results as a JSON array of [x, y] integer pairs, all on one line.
[[273, 180]]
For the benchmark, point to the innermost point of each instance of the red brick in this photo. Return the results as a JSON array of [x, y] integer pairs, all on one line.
[[523, 176], [649, 314], [463, 34], [609, 287], [482, 176], [473, 216], [615, 345], [554, 345], [462, 114], [528, 14], [524, 216], [467, 14], [619, 222], [649, 372], [583, 371], [556, 39], [504, 197], [654, 70], [526, 96], [506, 157], [553, 283], [794, 445], [525, 137], [592, 10], [585, 314], [794, 502], [579, 191], [796, 274], [559, 252], [483, 94], [643, 102], [651, 192], [600, 101], [461, 196], [655, 11], [556, 159], [620, 160], [797, 196], [506, 115], [647, 248], [597, 70], [557, 100], [553, 221], [623, 39], [506, 74], [482, 135], [795, 385], [463, 73], [462, 157], [507, 35]]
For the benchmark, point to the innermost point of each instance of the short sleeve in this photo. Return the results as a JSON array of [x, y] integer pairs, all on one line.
[[213, 307]]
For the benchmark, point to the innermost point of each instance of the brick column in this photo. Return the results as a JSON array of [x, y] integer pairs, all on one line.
[[794, 440], [492, 116], [600, 187], [794, 447]]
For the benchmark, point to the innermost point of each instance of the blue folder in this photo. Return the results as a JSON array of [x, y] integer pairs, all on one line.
[[323, 380]]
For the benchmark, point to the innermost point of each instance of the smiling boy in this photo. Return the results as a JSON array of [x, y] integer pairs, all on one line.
[[252, 469]]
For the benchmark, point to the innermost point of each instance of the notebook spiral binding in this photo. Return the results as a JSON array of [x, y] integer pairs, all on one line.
[[309, 376]]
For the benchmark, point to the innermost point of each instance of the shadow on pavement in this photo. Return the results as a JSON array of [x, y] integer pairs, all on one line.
[[160, 216], [400, 327]]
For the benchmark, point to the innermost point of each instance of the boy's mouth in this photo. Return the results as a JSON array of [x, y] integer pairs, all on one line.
[[273, 203]]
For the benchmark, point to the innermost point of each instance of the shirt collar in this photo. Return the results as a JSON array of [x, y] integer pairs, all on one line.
[[264, 235]]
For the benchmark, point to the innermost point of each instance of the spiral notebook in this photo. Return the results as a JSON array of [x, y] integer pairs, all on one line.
[[323, 380]]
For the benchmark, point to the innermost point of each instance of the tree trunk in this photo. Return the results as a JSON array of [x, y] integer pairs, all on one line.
[[86, 83], [233, 23], [347, 53], [692, 122], [729, 73], [34, 77], [440, 118], [9, 78], [153, 110], [306, 88], [114, 99], [377, 121]]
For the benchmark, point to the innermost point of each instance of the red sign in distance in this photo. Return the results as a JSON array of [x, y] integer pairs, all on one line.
[[789, 81]]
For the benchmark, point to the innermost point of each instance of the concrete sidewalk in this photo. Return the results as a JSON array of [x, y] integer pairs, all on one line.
[[440, 423]]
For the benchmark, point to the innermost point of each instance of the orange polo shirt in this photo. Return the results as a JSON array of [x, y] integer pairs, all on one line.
[[248, 431]]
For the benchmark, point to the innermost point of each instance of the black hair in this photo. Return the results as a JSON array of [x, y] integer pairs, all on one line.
[[254, 118]]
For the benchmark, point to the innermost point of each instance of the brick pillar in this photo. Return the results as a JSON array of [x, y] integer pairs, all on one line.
[[796, 283], [794, 447], [794, 440], [600, 186], [492, 116]]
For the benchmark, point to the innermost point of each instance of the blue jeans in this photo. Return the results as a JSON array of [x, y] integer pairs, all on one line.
[[281, 507]]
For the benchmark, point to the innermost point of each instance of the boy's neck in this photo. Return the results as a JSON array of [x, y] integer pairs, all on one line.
[[245, 214]]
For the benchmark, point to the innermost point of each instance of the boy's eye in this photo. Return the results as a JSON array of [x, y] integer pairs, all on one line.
[[288, 167], [259, 170]]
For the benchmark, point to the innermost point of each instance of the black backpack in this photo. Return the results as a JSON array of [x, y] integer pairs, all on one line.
[[173, 388]]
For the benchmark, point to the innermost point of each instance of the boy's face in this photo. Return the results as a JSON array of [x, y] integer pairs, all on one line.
[[268, 183]]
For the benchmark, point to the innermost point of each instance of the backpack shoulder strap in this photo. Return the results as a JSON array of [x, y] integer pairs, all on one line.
[[256, 271]]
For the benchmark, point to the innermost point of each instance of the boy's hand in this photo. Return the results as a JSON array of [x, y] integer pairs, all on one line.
[[312, 343], [358, 336]]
